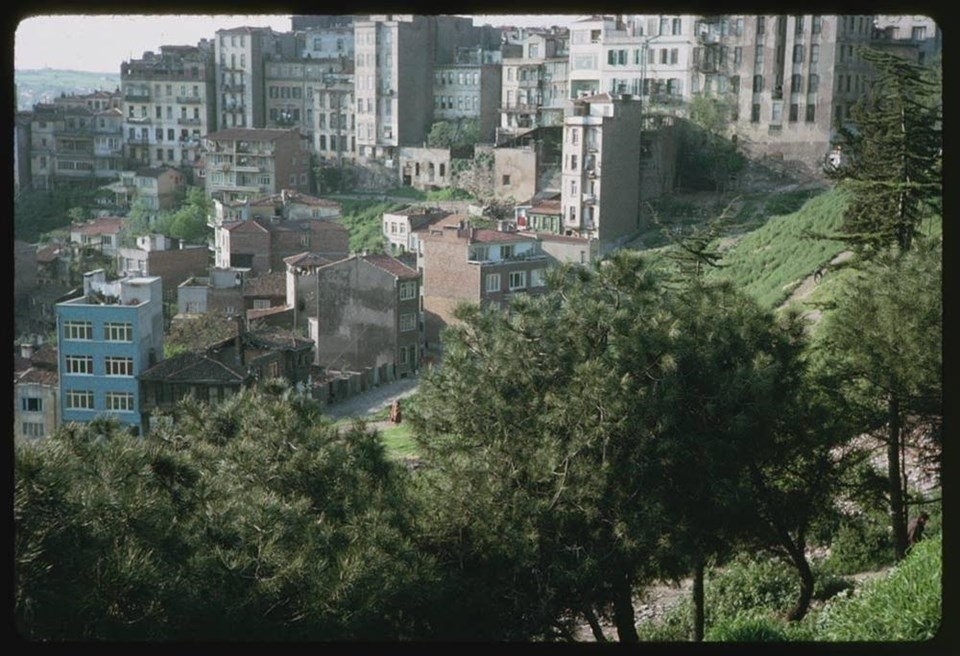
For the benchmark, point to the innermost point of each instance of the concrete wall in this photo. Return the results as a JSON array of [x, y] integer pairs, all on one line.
[[520, 164], [358, 317], [425, 168], [447, 281]]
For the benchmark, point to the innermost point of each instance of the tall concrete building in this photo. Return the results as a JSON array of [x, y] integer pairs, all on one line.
[[240, 58], [469, 89], [395, 56], [168, 104], [335, 119], [643, 55], [534, 82], [601, 169]]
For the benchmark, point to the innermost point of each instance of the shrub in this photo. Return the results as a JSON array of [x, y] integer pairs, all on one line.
[[749, 628], [904, 605], [747, 585], [827, 586], [861, 543], [676, 625]]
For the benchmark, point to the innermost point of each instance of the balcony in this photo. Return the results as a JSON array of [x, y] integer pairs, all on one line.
[[138, 120], [589, 199], [189, 121], [139, 97], [237, 87], [235, 109], [520, 109], [708, 38], [138, 141], [189, 100]]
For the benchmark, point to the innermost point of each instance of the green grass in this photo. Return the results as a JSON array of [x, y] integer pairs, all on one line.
[[398, 441], [771, 261], [364, 221], [450, 193]]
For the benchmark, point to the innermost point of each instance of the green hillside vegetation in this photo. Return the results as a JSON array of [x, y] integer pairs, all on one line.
[[771, 261], [363, 219]]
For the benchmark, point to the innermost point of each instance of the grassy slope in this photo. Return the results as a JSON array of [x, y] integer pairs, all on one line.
[[771, 261]]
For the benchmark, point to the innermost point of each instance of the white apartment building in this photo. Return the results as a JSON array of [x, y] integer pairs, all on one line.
[[648, 56], [168, 103], [534, 82], [600, 197], [334, 119]]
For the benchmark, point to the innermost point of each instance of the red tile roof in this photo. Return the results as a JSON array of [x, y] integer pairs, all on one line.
[[266, 284], [392, 266], [306, 259], [495, 236], [546, 207], [107, 225]]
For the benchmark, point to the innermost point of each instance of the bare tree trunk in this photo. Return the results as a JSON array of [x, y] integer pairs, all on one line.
[[698, 610], [897, 511], [594, 624], [623, 616], [799, 558]]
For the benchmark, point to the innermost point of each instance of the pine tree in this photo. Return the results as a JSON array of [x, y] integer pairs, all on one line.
[[893, 155]]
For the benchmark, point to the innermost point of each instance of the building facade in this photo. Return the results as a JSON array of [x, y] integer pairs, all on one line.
[[534, 82], [368, 315], [36, 412], [601, 169], [245, 162], [168, 104], [105, 339]]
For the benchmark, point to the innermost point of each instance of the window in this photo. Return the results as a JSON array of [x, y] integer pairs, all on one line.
[[814, 53], [408, 322], [31, 404], [118, 332], [755, 113], [573, 162], [79, 400], [797, 53], [538, 278], [77, 330], [159, 111], [122, 401], [918, 33], [408, 291], [79, 364], [676, 26], [33, 429], [492, 282], [261, 304], [796, 83], [572, 213], [505, 180], [813, 83], [794, 112], [116, 366], [761, 24], [811, 112], [759, 55], [815, 22], [674, 55], [518, 280], [776, 112], [757, 83], [798, 25], [663, 55]]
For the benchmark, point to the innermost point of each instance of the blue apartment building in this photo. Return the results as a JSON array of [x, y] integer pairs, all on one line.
[[106, 338]]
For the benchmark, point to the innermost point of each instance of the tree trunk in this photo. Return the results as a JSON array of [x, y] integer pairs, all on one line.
[[698, 614], [594, 624], [623, 616], [897, 511], [799, 559]]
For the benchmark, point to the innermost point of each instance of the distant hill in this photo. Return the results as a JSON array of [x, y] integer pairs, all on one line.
[[43, 85]]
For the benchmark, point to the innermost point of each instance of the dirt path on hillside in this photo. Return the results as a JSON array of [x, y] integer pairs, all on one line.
[[806, 287]]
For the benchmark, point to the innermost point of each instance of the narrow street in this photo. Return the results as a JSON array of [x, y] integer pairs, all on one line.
[[372, 400]]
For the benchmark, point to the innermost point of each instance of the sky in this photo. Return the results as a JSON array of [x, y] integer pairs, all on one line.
[[101, 43]]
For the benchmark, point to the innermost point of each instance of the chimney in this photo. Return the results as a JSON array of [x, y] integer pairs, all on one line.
[[238, 341], [26, 350]]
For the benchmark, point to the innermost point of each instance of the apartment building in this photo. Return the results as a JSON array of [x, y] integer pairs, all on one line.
[[245, 162], [400, 227], [105, 339], [290, 89], [169, 102], [335, 119], [70, 143], [918, 38], [395, 56], [221, 292], [367, 315], [35, 395], [469, 89], [240, 65], [166, 257], [534, 81], [464, 264], [261, 244], [601, 169], [642, 55]]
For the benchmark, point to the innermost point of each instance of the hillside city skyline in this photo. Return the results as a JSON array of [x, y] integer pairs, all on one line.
[[81, 46]]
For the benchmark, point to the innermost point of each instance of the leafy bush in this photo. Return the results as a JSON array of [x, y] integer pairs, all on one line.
[[827, 586], [676, 625], [749, 628], [904, 605], [747, 585], [450, 193], [860, 543]]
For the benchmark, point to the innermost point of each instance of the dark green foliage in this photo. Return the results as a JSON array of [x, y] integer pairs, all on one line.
[[364, 220], [751, 584], [37, 212], [250, 520], [706, 158], [189, 222], [861, 542], [893, 158]]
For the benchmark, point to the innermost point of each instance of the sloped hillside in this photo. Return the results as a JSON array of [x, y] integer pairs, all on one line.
[[771, 261]]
